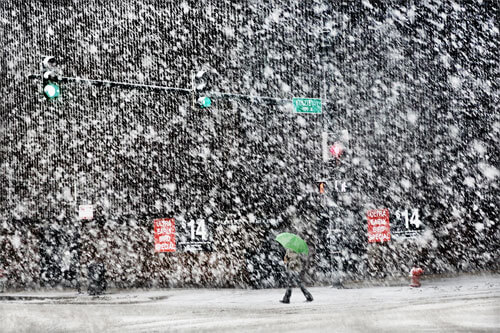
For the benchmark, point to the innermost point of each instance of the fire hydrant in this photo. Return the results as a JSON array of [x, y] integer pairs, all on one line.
[[415, 274]]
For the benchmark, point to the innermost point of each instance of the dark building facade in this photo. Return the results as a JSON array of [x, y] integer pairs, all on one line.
[[409, 88]]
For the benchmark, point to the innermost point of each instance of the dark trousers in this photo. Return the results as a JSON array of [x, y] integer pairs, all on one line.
[[294, 280]]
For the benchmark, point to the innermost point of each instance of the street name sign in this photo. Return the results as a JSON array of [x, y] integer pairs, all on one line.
[[306, 105]]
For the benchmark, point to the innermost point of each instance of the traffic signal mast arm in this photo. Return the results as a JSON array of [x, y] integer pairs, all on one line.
[[110, 83], [222, 94], [113, 83]]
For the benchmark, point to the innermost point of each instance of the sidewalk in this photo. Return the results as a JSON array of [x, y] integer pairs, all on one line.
[[133, 296], [465, 303]]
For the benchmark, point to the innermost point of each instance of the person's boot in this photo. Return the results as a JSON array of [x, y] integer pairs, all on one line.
[[286, 298], [307, 294]]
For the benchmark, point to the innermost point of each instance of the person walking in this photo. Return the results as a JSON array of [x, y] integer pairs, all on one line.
[[293, 263]]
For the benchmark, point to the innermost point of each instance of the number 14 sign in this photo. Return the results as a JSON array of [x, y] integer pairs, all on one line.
[[408, 223], [194, 236]]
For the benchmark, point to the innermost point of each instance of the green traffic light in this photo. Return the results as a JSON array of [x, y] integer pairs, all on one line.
[[205, 102], [51, 90]]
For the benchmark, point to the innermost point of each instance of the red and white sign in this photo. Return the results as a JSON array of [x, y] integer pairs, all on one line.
[[164, 235], [86, 212], [378, 225]]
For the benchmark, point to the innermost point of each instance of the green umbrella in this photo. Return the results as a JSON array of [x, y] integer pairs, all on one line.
[[292, 242]]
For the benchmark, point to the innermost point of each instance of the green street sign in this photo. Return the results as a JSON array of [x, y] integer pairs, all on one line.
[[307, 105]]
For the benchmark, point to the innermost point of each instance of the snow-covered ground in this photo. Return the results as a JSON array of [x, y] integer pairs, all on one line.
[[460, 304]]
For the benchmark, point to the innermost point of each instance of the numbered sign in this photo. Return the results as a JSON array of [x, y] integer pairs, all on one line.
[[407, 222], [194, 236]]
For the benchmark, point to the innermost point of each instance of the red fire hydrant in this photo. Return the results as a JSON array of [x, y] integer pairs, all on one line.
[[415, 274]]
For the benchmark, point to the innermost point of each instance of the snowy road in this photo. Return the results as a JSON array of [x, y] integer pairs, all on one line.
[[464, 304]]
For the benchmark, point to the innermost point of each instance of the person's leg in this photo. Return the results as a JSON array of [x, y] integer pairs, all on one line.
[[288, 294], [306, 293]]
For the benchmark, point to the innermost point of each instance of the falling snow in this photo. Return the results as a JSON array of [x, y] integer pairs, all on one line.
[[408, 89]]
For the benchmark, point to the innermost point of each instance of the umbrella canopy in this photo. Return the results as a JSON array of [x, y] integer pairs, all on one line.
[[292, 242]]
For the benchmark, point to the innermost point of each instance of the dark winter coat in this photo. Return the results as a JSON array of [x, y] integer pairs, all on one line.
[[293, 261]]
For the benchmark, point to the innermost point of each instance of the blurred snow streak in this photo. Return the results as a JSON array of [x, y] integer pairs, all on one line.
[[413, 83]]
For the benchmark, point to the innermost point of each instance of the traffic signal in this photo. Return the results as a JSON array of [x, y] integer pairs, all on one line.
[[201, 82], [50, 77], [321, 187], [334, 145], [336, 149], [51, 90], [204, 102]]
